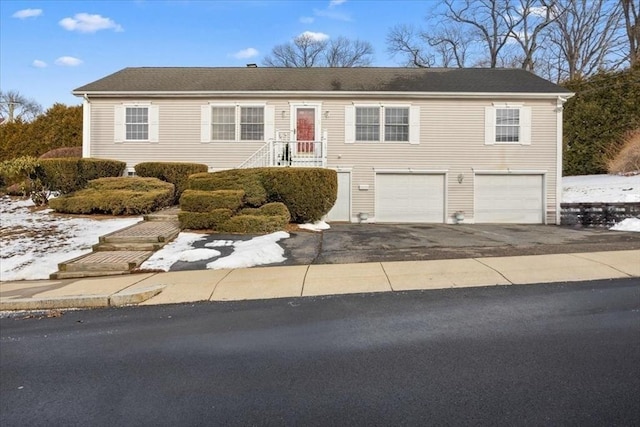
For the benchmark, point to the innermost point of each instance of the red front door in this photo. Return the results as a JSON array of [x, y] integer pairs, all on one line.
[[305, 129]]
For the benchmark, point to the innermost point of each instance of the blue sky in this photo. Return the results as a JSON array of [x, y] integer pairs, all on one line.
[[48, 48]]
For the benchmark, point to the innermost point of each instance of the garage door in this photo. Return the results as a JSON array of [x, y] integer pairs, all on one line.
[[409, 198], [341, 211], [516, 199]]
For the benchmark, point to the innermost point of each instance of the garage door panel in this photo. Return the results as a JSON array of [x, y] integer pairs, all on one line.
[[409, 198], [509, 199]]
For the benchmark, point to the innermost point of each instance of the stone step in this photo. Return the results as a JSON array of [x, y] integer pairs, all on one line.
[[169, 214], [144, 232], [154, 246], [58, 275], [107, 261]]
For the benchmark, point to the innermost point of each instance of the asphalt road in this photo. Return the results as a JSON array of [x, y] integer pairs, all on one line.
[[563, 354]]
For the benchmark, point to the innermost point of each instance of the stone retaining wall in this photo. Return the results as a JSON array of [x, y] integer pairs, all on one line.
[[597, 214]]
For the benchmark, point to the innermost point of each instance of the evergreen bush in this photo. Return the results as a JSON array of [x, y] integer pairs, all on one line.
[[173, 172]]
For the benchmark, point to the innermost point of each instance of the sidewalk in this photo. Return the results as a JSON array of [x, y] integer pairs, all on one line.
[[313, 280]]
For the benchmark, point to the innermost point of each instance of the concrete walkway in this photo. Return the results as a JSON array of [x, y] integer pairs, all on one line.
[[313, 280]]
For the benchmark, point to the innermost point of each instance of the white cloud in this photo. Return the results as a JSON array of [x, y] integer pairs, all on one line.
[[68, 61], [246, 53], [315, 36], [27, 13], [39, 64], [86, 23], [307, 19], [333, 3]]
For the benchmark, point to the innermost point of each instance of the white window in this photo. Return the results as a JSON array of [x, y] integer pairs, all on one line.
[[507, 124], [382, 124], [227, 123], [136, 123]]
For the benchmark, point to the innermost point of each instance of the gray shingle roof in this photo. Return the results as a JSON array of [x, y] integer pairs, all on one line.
[[197, 79]]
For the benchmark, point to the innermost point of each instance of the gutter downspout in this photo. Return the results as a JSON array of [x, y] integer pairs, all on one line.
[[559, 107], [86, 126]]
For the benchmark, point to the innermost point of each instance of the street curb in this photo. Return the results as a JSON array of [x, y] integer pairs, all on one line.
[[118, 299], [135, 296]]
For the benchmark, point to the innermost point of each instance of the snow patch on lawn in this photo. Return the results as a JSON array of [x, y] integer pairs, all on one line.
[[32, 243], [172, 251], [249, 253], [601, 189]]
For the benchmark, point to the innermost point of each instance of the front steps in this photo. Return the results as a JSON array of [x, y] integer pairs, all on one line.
[[124, 250]]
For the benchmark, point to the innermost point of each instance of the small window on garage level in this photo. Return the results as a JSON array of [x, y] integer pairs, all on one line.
[[507, 124]]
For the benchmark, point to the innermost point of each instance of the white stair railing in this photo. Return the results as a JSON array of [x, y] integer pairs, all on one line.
[[285, 152], [261, 158]]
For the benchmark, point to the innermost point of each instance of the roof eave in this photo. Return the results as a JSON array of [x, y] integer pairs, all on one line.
[[324, 94]]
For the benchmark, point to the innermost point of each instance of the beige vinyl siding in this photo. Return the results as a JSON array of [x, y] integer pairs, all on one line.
[[452, 139]]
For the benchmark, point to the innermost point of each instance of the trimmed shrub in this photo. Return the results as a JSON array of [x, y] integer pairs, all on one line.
[[63, 152], [270, 209], [206, 201], [628, 158], [91, 169], [67, 175], [173, 172], [117, 196], [248, 180], [253, 224], [308, 193], [204, 220], [62, 174]]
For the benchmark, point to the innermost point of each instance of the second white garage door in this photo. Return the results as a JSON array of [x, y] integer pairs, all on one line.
[[509, 199], [409, 197]]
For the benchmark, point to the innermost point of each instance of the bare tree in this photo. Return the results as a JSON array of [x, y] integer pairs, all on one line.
[[450, 45], [405, 40], [534, 17], [303, 52], [587, 36], [484, 32], [492, 21], [343, 52], [630, 10], [308, 51], [14, 106]]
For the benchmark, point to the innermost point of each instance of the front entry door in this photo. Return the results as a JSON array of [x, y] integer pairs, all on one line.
[[305, 129]]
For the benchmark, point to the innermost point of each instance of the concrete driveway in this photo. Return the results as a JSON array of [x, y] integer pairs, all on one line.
[[352, 243]]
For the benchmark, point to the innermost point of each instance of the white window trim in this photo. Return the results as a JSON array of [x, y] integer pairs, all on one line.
[[490, 123], [414, 123], [205, 120], [120, 126]]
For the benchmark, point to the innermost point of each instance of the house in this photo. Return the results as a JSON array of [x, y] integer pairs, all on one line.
[[409, 144]]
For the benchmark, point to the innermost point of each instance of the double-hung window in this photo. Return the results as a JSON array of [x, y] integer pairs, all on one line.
[[382, 124], [508, 124], [227, 123], [136, 122]]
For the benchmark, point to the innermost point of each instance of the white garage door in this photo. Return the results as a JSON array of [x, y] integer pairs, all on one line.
[[341, 211], [516, 199], [409, 198]]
